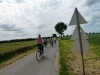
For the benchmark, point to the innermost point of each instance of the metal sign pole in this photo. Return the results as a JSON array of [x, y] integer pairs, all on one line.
[[80, 41]]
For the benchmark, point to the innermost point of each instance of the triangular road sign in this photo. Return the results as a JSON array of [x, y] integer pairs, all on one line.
[[85, 46], [74, 19], [75, 35]]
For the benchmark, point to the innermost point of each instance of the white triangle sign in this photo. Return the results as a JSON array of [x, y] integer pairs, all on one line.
[[75, 35], [85, 46], [74, 19]]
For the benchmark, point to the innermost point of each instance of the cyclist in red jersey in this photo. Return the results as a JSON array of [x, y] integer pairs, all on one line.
[[40, 41]]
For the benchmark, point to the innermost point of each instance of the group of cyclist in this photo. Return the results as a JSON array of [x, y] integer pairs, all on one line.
[[41, 42], [52, 41]]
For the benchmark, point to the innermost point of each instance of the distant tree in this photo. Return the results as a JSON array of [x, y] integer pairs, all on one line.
[[60, 27], [63, 35], [90, 33], [67, 35], [93, 33], [54, 35]]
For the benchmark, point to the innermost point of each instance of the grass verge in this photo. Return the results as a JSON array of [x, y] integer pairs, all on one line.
[[71, 62], [8, 55], [15, 58], [64, 52]]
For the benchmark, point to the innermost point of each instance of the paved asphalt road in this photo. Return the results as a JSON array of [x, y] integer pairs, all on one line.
[[30, 66]]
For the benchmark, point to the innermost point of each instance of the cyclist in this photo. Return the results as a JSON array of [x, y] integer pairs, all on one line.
[[54, 39], [45, 41], [40, 41], [51, 41]]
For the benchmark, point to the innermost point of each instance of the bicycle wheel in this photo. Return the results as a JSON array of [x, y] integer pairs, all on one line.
[[38, 55], [52, 44]]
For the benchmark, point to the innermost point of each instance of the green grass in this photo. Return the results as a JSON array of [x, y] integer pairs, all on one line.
[[64, 52], [10, 50], [65, 47], [7, 47], [94, 40]]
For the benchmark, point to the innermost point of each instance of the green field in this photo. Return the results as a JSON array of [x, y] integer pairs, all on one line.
[[7, 47], [12, 49], [70, 61], [94, 40]]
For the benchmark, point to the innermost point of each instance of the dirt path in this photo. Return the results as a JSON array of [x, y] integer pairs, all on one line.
[[56, 62]]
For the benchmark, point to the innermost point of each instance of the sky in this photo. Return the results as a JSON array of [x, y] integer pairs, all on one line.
[[27, 18]]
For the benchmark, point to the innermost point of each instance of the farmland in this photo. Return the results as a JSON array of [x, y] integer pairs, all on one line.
[[7, 47], [12, 49], [70, 61]]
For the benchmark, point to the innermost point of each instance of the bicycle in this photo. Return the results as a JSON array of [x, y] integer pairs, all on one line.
[[39, 53], [55, 42], [51, 43], [45, 44]]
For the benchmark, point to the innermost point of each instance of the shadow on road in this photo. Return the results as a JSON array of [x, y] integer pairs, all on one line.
[[44, 58], [51, 46]]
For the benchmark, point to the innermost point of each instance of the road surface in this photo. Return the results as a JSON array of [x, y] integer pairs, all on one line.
[[30, 66]]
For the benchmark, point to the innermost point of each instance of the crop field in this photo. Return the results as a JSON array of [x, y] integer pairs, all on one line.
[[71, 62], [9, 50], [7, 47]]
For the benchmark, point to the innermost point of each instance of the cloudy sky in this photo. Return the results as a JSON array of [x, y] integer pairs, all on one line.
[[28, 18]]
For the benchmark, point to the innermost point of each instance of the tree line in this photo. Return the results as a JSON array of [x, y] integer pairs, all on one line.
[[60, 27], [19, 40]]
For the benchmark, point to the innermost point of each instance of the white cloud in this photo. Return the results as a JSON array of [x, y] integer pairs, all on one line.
[[28, 18]]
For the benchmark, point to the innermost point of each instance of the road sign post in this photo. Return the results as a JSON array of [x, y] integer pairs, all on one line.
[[79, 35], [80, 41]]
